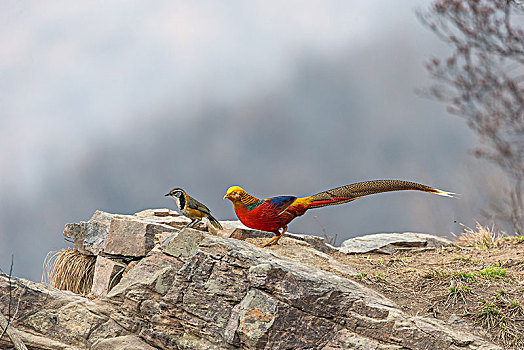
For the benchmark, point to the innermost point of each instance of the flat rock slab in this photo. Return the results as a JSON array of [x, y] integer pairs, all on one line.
[[122, 235], [235, 229], [388, 243], [124, 342], [136, 235]]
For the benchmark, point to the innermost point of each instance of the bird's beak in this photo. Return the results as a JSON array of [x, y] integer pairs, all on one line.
[[167, 194], [226, 196]]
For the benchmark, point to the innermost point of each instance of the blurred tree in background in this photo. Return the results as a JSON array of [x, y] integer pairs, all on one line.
[[482, 81]]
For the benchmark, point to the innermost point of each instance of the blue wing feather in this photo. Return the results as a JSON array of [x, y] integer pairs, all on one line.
[[281, 202]]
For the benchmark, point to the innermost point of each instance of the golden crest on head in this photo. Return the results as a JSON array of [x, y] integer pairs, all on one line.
[[234, 189]]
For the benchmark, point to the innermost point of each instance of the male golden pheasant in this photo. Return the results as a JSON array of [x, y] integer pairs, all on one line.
[[275, 213]]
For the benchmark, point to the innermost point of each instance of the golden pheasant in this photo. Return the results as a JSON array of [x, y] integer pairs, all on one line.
[[275, 213]]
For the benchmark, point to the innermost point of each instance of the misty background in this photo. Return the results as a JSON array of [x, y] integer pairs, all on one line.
[[109, 105]]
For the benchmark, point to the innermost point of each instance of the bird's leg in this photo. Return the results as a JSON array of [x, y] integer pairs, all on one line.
[[193, 223], [275, 239], [190, 224]]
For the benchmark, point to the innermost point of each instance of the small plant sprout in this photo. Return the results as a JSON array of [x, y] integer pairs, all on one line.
[[492, 272]]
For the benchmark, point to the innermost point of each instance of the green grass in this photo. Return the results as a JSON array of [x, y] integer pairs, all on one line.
[[381, 278], [457, 294], [464, 276], [488, 315], [499, 317], [459, 289], [515, 308], [454, 275], [492, 272], [514, 239]]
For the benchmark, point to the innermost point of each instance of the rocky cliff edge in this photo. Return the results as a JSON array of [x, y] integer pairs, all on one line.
[[200, 290]]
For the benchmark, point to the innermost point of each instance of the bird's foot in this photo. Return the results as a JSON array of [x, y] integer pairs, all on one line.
[[275, 239], [272, 241], [191, 224]]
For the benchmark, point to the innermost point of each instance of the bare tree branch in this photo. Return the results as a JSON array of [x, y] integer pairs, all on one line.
[[10, 299], [481, 81]]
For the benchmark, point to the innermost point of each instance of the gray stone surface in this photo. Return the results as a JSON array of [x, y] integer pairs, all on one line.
[[203, 291], [388, 243], [167, 217], [125, 235], [131, 237], [235, 229], [107, 274], [130, 342]]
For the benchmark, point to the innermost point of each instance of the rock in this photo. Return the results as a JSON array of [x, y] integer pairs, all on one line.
[[131, 237], [258, 297], [167, 217], [318, 243], [236, 233], [305, 253], [124, 235], [162, 237], [46, 316], [89, 237], [235, 229], [346, 340], [38, 342], [124, 342], [107, 274], [204, 291], [388, 243], [163, 212]]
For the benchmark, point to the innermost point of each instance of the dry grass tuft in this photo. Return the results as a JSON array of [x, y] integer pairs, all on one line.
[[68, 269], [457, 294], [502, 318], [482, 237]]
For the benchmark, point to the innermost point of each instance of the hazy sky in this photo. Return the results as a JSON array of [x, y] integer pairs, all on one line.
[[74, 72], [95, 94]]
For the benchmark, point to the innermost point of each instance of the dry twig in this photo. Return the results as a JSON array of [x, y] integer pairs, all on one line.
[[329, 240], [5, 323]]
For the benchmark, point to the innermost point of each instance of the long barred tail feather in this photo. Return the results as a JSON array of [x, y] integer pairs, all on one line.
[[358, 190]]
